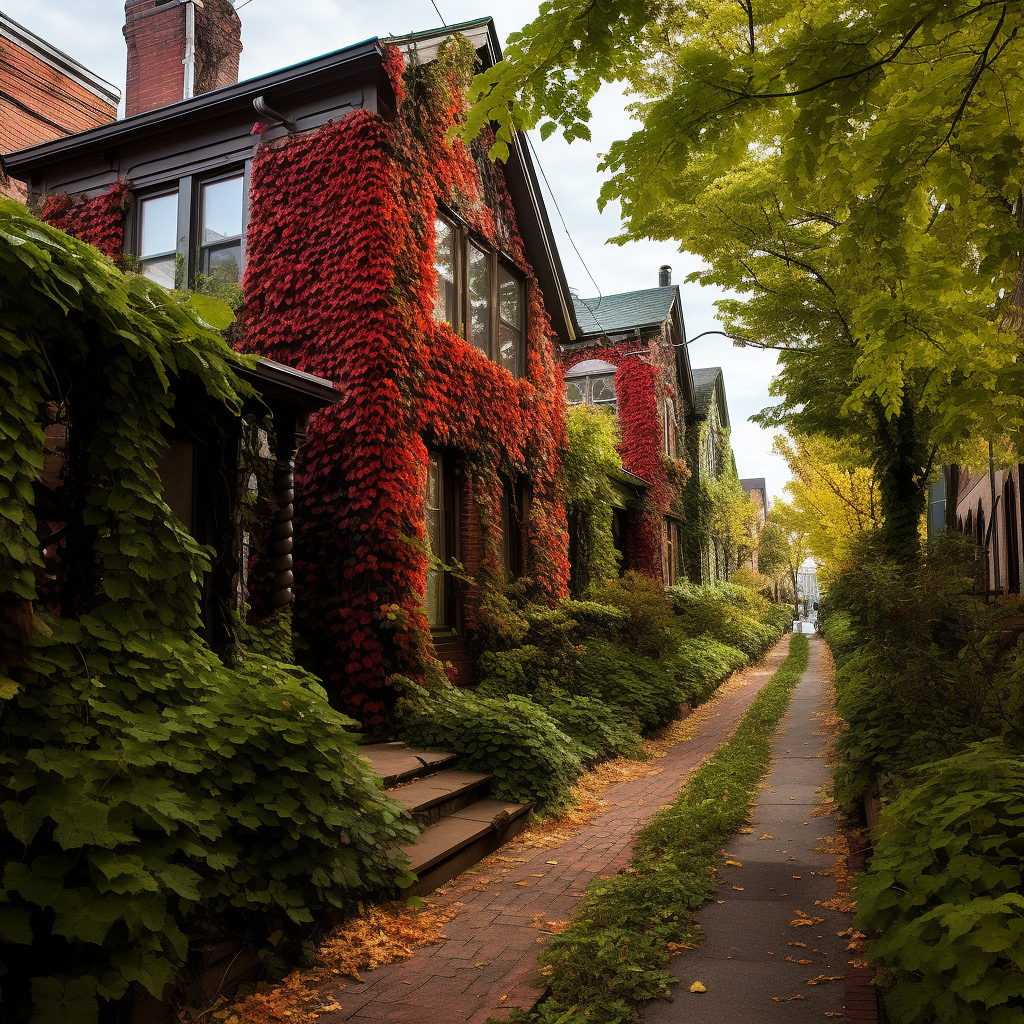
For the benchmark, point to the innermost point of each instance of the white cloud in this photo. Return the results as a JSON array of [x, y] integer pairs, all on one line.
[[275, 35]]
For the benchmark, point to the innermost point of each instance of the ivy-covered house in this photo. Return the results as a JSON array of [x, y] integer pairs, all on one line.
[[631, 358], [361, 245], [710, 458]]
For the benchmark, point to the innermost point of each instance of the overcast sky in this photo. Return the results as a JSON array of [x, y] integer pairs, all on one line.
[[275, 35]]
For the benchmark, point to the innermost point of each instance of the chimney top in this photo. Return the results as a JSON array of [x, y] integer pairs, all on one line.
[[664, 276], [175, 45]]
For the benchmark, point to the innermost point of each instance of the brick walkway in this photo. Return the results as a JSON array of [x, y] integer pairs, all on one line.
[[490, 958]]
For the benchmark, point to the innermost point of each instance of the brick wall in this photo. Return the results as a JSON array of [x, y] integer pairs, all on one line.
[[156, 48], [39, 103]]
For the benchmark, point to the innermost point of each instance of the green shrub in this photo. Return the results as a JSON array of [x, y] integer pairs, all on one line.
[[698, 666], [649, 626], [716, 611], [163, 800], [639, 686], [944, 892], [605, 731], [512, 738], [839, 633]]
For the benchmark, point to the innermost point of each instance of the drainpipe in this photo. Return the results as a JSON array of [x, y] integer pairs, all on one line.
[[993, 529], [190, 47]]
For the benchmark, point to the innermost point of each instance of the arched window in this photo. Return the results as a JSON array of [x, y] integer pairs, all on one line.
[[591, 382]]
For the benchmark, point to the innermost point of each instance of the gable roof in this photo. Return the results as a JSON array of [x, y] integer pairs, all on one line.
[[608, 314], [709, 386], [351, 67]]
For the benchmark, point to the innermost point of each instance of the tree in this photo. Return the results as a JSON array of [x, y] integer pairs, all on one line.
[[773, 556], [833, 498], [797, 549], [852, 174]]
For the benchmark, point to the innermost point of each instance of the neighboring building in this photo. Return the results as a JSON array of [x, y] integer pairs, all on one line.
[[999, 535], [414, 274], [757, 489], [631, 358], [44, 94], [707, 451]]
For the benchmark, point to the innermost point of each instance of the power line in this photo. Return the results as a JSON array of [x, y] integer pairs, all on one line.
[[241, 5], [568, 234], [443, 22]]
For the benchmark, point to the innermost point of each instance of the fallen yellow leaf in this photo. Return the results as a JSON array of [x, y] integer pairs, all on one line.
[[734, 863], [697, 987]]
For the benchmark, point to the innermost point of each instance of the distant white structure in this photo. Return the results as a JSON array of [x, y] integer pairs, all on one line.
[[807, 595]]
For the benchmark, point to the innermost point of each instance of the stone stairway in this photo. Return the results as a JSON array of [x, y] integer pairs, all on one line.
[[461, 823]]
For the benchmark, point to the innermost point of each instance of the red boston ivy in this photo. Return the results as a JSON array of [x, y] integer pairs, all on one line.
[[340, 282], [644, 377], [99, 221]]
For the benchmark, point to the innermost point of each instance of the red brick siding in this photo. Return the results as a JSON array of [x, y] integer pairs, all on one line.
[[50, 93]]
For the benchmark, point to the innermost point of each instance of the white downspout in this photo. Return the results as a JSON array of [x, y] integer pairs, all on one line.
[[190, 47]]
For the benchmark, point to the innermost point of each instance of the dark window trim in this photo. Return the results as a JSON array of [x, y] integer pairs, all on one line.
[[452, 529], [188, 186], [466, 236]]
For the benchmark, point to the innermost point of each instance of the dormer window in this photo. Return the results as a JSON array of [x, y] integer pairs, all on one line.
[[591, 382]]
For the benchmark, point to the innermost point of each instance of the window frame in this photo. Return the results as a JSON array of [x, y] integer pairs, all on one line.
[[450, 536], [189, 188], [496, 261], [200, 182], [588, 389]]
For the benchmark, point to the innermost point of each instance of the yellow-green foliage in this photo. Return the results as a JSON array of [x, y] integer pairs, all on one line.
[[591, 453]]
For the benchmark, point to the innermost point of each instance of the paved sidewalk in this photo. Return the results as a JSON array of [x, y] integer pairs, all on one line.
[[490, 959], [760, 962]]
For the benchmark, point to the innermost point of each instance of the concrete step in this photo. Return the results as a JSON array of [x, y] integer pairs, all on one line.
[[458, 841], [433, 797], [396, 763]]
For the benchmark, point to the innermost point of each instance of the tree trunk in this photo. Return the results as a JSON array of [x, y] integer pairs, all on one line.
[[900, 465]]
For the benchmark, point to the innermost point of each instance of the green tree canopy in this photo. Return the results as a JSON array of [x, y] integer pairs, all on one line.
[[851, 174]]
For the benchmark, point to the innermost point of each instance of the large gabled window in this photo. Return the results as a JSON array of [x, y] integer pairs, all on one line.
[[479, 294]]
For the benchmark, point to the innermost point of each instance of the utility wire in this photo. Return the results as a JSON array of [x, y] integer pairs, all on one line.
[[241, 5], [443, 22], [568, 234]]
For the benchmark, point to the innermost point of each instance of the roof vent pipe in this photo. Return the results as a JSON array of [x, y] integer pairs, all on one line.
[[664, 276]]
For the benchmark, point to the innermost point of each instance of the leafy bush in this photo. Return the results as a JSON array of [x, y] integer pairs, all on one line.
[[698, 666], [717, 610], [152, 805], [512, 738], [839, 633], [944, 892], [649, 626]]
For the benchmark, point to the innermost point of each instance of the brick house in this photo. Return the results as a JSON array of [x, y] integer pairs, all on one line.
[[365, 248], [999, 534], [757, 490], [631, 357], [44, 94]]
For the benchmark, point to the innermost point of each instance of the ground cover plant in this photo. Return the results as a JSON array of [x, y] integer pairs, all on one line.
[[929, 682], [564, 688], [152, 797], [613, 957]]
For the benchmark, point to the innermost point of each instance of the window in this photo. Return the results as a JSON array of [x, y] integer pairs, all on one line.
[[441, 520], [220, 230], [194, 234], [478, 295], [513, 505], [444, 267], [591, 382], [158, 238], [670, 428]]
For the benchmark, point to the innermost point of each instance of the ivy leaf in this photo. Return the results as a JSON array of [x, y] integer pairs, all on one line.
[[214, 312]]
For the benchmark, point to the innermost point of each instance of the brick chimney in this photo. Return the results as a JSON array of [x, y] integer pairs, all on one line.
[[157, 33]]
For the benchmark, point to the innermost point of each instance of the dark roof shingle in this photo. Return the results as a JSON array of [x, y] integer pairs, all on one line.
[[610, 313]]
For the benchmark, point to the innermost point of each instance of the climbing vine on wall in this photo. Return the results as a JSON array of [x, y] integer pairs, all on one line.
[[340, 282], [642, 382], [98, 221]]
